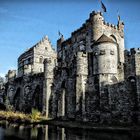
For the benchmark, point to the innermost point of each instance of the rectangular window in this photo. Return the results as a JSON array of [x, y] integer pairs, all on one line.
[[112, 52], [90, 63], [102, 52]]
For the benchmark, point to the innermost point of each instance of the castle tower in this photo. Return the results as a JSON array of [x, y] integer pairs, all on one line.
[[105, 52], [134, 76], [59, 44], [11, 75], [105, 61], [115, 33], [49, 64], [81, 80], [97, 24], [120, 41]]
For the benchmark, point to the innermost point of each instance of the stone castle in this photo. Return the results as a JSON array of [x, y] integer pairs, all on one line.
[[91, 77]]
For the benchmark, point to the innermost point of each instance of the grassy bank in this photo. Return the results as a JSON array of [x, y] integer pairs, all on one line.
[[35, 118], [18, 117]]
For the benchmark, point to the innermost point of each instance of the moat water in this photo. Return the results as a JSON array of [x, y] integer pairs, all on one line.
[[49, 132]]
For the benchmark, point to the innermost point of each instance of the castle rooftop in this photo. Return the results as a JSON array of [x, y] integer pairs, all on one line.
[[104, 39]]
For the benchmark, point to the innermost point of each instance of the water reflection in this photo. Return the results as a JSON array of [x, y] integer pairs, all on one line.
[[50, 132]]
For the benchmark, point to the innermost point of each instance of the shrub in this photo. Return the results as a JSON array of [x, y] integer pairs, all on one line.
[[35, 115], [8, 106]]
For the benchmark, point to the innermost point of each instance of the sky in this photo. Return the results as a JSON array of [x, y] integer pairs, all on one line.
[[25, 22]]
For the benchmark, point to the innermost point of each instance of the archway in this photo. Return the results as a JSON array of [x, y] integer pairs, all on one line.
[[16, 99], [132, 88], [131, 80], [37, 99], [113, 80], [61, 100], [113, 37]]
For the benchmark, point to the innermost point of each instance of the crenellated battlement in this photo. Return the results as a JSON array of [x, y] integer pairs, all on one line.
[[79, 29], [93, 13], [11, 74], [87, 21], [127, 53], [110, 25], [132, 51], [99, 20], [135, 50]]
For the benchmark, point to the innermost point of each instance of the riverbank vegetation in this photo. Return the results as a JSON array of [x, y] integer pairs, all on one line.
[[19, 117], [35, 118]]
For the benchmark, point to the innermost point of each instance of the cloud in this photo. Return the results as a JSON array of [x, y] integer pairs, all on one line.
[[2, 74]]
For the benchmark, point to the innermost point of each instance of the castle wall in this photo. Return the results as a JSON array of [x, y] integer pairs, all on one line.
[[92, 99], [132, 74], [81, 80], [70, 105], [26, 93], [78, 56], [121, 103], [49, 65], [89, 79], [25, 62]]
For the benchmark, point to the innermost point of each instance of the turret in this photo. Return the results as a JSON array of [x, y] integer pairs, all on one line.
[[11, 75], [97, 23], [82, 65], [59, 43], [49, 65], [81, 80], [120, 40], [116, 33], [105, 52], [121, 28]]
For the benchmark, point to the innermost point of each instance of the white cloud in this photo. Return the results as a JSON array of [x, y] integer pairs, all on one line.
[[2, 74]]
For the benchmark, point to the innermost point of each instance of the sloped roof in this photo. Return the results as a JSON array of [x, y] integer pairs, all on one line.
[[104, 38]]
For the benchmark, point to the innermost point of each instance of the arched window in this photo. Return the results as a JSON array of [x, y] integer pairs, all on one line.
[[41, 70], [41, 59], [37, 98], [113, 80], [63, 84], [113, 38], [132, 79], [16, 99]]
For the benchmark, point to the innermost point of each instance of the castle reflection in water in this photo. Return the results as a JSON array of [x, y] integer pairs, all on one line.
[[46, 132]]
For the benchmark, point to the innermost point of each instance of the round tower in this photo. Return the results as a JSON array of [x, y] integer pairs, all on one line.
[[105, 52], [105, 62], [49, 65], [97, 24], [81, 80]]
